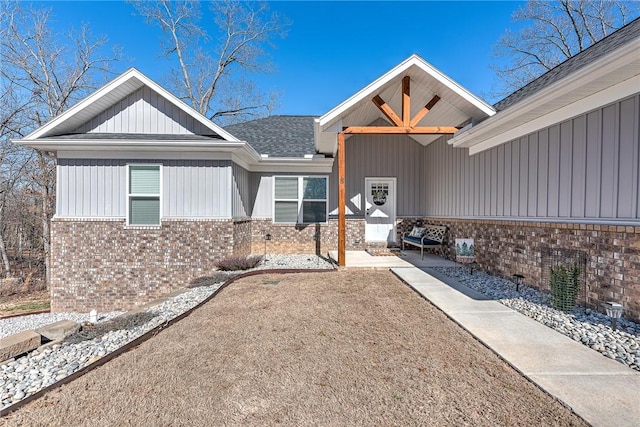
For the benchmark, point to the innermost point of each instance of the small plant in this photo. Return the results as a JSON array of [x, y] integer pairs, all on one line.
[[565, 285], [235, 263]]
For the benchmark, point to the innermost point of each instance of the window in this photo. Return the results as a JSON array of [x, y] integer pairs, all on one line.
[[299, 199], [143, 206]]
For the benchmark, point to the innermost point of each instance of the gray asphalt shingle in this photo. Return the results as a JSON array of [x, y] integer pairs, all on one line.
[[277, 136], [613, 41]]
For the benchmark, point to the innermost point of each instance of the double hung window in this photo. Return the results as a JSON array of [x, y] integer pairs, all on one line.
[[143, 194], [300, 199]]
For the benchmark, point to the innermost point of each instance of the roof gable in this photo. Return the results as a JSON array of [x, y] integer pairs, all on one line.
[[456, 107], [115, 107], [144, 112]]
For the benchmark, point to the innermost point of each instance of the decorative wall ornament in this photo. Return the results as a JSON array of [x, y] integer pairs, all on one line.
[[379, 193]]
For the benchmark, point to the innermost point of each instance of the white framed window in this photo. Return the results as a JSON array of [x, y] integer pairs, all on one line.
[[300, 199], [143, 194]]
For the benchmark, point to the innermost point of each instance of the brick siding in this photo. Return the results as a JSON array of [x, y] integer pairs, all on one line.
[[104, 265], [505, 248]]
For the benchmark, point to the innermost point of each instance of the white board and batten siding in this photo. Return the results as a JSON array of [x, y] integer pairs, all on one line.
[[585, 168], [144, 111], [241, 203], [190, 188]]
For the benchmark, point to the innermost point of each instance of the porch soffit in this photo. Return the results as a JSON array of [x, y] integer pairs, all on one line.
[[456, 106]]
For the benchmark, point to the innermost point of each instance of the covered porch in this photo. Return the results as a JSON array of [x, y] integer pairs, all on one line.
[[378, 137]]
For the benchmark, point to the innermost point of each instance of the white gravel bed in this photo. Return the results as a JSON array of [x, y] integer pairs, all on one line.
[[586, 326], [37, 370], [13, 325], [281, 261]]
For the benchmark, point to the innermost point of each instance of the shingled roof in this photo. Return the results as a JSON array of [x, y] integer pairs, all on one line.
[[277, 136], [614, 40]]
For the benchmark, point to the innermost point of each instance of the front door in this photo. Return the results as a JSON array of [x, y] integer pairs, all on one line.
[[380, 209]]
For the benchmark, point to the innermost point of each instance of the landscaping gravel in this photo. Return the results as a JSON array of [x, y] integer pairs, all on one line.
[[27, 375], [584, 325], [13, 325]]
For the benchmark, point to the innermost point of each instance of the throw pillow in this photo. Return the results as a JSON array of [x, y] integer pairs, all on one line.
[[417, 231]]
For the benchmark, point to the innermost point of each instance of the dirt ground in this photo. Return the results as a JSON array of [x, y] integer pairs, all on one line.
[[24, 303], [333, 349]]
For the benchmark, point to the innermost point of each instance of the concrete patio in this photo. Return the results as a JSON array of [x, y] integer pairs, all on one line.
[[407, 258]]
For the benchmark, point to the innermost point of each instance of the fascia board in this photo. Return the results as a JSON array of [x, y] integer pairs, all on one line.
[[582, 106], [294, 165], [144, 155], [581, 77], [99, 144]]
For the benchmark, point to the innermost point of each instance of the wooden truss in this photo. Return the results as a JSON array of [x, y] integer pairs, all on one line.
[[404, 125]]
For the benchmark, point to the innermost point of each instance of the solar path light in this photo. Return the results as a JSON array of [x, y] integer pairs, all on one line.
[[614, 311], [517, 278]]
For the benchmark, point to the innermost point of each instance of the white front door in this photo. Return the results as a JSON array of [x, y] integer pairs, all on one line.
[[380, 209]]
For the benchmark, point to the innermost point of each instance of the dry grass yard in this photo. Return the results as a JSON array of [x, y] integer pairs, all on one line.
[[347, 348]]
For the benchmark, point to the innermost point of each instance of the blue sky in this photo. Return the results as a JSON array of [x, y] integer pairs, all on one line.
[[332, 49]]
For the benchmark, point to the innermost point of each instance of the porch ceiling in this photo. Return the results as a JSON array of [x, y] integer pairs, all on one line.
[[456, 107]]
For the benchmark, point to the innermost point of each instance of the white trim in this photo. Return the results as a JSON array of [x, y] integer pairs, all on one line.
[[128, 196], [131, 74], [300, 199], [585, 105]]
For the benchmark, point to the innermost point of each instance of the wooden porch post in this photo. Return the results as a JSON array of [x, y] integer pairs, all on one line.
[[341, 202]]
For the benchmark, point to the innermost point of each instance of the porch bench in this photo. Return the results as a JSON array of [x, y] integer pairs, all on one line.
[[432, 237]]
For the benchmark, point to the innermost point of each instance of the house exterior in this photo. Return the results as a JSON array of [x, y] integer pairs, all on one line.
[[150, 193]]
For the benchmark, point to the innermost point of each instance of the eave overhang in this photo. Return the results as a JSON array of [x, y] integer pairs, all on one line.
[[456, 107], [606, 80], [240, 152]]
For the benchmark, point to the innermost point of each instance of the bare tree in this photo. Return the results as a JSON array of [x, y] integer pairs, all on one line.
[[552, 32], [47, 73], [211, 70]]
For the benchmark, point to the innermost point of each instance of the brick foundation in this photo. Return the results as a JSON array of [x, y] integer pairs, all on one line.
[[508, 247], [242, 237], [104, 265]]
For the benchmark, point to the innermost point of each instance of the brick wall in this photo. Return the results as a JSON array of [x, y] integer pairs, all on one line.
[[291, 238], [242, 237], [508, 247], [103, 265]]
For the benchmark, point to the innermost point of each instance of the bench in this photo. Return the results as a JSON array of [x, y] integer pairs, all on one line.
[[429, 236]]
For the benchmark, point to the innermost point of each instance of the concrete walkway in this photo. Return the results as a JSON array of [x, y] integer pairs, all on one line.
[[363, 259], [600, 390]]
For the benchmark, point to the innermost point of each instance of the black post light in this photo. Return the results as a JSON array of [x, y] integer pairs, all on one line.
[[267, 237]]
